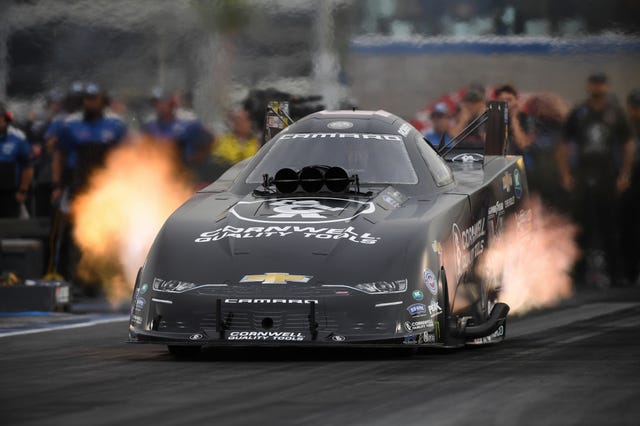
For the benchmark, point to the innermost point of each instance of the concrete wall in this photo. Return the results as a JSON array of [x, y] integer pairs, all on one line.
[[405, 82]]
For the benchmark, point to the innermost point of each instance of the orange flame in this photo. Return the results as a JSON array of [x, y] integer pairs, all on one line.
[[119, 215], [532, 259]]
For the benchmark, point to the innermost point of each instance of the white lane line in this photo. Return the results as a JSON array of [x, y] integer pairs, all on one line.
[[565, 317], [55, 327]]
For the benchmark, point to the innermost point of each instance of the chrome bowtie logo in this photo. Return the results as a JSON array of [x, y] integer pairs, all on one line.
[[275, 278]]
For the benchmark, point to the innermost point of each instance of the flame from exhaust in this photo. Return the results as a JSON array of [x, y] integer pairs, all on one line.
[[124, 207], [532, 259]]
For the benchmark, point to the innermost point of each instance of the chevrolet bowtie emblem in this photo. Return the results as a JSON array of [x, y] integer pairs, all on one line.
[[275, 278], [507, 182]]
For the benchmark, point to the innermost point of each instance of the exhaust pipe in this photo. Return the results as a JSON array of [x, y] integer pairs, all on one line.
[[497, 318]]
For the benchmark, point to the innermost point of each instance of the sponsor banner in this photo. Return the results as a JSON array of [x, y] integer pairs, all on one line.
[[421, 325], [417, 295], [468, 243], [417, 309], [321, 233], [266, 336], [431, 282], [302, 210], [271, 301], [434, 309], [330, 135]]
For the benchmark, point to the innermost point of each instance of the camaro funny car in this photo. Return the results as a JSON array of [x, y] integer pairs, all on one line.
[[346, 228]]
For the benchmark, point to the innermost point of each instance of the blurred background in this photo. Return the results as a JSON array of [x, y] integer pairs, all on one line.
[[217, 62]]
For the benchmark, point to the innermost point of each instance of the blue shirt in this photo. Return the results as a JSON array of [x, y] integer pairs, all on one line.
[[185, 130], [434, 139], [75, 132], [15, 149]]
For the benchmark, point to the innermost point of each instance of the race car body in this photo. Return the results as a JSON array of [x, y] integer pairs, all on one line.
[[345, 228]]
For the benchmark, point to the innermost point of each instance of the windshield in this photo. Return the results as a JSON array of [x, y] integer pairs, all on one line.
[[375, 158]]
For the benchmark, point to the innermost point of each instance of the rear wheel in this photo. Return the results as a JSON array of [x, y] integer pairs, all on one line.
[[183, 352]]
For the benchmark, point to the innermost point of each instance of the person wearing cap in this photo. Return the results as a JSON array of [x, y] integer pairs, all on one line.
[[604, 153], [84, 140], [16, 170], [472, 106], [239, 143], [179, 127], [439, 136], [518, 138]]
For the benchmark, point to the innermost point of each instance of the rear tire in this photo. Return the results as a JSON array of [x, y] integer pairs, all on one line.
[[184, 352]]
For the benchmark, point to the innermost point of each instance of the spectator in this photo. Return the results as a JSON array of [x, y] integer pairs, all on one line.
[[179, 127], [543, 121], [605, 152], [238, 144], [16, 170], [83, 142], [439, 136], [630, 203], [518, 139], [472, 106]]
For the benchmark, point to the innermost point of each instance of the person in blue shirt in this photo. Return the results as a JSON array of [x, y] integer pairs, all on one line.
[[83, 141], [16, 170], [441, 121], [178, 127]]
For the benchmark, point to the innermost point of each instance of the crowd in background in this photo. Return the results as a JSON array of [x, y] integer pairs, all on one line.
[[581, 161]]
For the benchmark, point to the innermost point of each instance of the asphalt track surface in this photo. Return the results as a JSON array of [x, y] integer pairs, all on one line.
[[578, 365]]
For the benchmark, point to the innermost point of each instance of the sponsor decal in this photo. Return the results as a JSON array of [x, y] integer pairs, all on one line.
[[436, 246], [404, 129], [271, 301], [417, 309], [266, 336], [496, 219], [496, 335], [434, 309], [348, 233], [196, 337], [275, 278], [376, 136], [391, 201], [428, 337], [417, 295], [340, 125], [507, 182], [517, 184], [430, 281], [337, 338], [469, 244], [143, 288], [136, 319], [421, 325], [140, 303], [62, 294], [509, 201], [303, 210]]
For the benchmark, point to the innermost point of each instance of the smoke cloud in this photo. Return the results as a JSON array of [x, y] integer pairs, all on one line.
[[123, 209], [532, 259]]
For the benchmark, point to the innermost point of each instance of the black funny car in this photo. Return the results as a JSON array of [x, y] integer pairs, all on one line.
[[346, 228]]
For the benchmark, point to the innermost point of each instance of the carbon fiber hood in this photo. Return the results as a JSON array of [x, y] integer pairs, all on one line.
[[217, 238]]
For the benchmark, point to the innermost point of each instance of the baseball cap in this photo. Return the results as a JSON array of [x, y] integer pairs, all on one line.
[[598, 77], [92, 89], [440, 109], [474, 94]]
